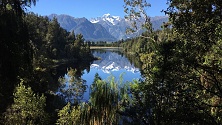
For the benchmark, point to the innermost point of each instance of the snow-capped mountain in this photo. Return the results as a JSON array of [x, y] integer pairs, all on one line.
[[117, 26], [90, 31], [112, 20], [105, 28]]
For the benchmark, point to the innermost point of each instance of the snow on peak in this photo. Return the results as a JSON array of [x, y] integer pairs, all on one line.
[[106, 15], [112, 19], [94, 21], [107, 18]]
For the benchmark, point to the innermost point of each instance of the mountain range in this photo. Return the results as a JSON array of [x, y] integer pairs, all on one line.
[[105, 28]]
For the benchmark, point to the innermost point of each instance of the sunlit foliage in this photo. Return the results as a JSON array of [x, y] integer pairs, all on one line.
[[28, 107]]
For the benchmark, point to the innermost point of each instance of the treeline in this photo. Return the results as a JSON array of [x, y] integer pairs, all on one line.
[[51, 41], [104, 43]]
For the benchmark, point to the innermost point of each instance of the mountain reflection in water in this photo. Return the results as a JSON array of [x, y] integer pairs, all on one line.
[[112, 63]]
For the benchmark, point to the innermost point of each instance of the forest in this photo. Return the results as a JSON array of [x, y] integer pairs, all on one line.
[[181, 69]]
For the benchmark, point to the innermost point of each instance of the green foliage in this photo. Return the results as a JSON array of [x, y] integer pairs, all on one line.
[[15, 50], [17, 6], [28, 107], [96, 78], [69, 115], [107, 101], [31, 48], [50, 41], [213, 56], [55, 38], [136, 10], [181, 67], [211, 76]]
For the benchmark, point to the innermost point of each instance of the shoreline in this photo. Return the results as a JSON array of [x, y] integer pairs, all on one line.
[[103, 47]]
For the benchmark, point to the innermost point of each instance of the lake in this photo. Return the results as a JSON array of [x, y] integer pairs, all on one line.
[[112, 63]]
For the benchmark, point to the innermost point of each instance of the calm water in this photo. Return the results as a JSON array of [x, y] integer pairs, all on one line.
[[112, 63]]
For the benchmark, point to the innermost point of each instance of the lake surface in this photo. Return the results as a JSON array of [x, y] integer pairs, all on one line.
[[112, 63]]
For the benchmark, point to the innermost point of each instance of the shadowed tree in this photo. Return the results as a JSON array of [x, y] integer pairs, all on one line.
[[182, 81], [15, 49]]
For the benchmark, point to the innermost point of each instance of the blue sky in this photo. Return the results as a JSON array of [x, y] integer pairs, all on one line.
[[91, 8]]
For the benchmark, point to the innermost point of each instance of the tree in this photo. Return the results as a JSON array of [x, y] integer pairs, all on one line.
[[96, 78], [71, 37], [55, 39], [15, 49], [135, 11], [182, 81], [196, 23], [79, 41], [69, 115], [196, 20], [107, 101], [16, 5], [28, 107]]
